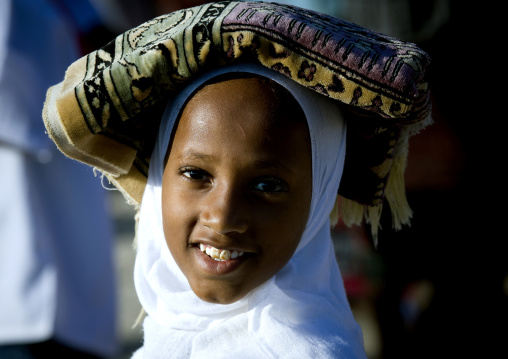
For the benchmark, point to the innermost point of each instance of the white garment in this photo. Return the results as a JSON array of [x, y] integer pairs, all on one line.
[[56, 260], [301, 312]]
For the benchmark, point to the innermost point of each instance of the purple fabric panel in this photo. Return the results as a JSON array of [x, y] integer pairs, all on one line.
[[386, 61]]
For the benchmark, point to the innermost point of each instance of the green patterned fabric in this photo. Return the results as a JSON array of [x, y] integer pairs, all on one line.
[[107, 109]]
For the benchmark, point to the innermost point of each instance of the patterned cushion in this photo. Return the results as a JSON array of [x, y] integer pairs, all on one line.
[[107, 109]]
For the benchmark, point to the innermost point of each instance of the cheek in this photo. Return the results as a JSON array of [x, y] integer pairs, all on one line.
[[283, 234], [297, 220], [176, 218]]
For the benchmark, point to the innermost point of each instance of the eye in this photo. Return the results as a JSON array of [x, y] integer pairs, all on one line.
[[195, 174], [271, 185]]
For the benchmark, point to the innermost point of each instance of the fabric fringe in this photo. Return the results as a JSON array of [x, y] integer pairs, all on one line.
[[139, 319], [334, 215], [415, 128], [353, 213], [128, 199], [395, 193], [136, 224]]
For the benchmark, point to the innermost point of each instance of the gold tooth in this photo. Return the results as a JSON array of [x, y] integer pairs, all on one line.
[[214, 253], [225, 255]]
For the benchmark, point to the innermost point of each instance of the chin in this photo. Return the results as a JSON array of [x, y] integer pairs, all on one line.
[[218, 295]]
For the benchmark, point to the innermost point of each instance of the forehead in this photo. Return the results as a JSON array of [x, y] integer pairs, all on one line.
[[246, 96], [237, 108]]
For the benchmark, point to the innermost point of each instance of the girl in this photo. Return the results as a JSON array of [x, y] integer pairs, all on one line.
[[244, 184], [234, 255]]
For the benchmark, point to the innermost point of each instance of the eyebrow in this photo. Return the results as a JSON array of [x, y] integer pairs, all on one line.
[[267, 164], [259, 164], [191, 155]]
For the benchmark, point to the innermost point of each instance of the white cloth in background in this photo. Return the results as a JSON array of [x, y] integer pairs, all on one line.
[[56, 260], [301, 312]]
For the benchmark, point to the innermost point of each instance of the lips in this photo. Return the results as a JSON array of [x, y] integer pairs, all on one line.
[[223, 261]]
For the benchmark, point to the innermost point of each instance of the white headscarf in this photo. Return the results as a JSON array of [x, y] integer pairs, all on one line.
[[301, 312]]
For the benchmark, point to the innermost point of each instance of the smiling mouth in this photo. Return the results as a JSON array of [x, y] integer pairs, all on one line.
[[220, 254]]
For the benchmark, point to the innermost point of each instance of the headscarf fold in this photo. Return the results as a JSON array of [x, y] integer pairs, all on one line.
[[301, 312]]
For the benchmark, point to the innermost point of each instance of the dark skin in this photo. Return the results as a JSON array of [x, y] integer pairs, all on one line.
[[238, 177]]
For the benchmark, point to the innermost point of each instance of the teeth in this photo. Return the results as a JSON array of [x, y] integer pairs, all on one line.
[[225, 255], [218, 254], [214, 253]]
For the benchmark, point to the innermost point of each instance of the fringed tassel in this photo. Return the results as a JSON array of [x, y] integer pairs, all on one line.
[[373, 217], [128, 199], [395, 192], [334, 216], [414, 129], [139, 319], [395, 195], [353, 213], [136, 225], [350, 211]]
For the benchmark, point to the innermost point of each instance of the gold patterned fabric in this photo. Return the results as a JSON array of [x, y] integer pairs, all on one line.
[[107, 109]]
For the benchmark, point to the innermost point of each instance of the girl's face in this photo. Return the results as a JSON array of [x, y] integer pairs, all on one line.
[[237, 185]]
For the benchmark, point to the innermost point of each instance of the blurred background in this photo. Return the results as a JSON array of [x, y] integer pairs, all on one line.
[[436, 289]]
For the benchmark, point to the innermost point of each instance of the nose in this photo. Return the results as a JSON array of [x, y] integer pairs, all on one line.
[[225, 210]]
